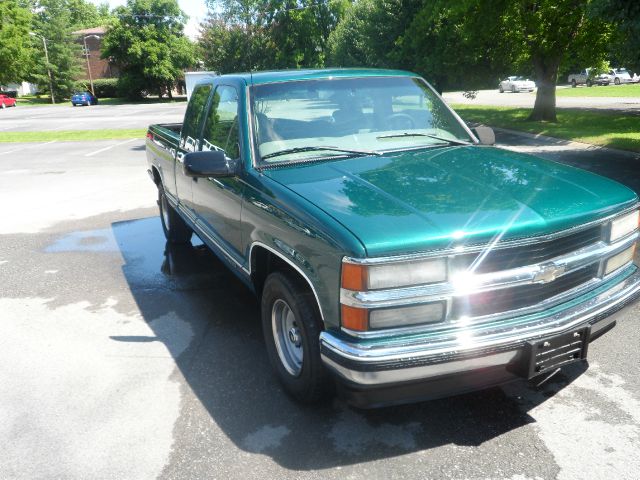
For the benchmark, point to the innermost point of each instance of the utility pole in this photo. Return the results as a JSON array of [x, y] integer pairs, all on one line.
[[46, 57], [86, 52]]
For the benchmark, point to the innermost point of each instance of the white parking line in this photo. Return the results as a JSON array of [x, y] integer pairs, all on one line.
[[110, 147], [27, 147]]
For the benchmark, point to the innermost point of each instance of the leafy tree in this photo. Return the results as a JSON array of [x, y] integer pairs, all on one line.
[[369, 31], [52, 20], [625, 42], [241, 35], [85, 14], [148, 44], [15, 44]]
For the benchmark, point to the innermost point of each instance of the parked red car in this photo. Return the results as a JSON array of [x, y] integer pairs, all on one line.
[[6, 101]]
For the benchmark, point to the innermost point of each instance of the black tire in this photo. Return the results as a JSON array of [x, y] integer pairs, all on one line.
[[574, 84], [311, 383], [617, 81], [513, 89], [500, 89], [589, 83], [174, 227]]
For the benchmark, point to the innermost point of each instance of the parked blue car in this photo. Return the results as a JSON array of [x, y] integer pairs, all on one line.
[[83, 98]]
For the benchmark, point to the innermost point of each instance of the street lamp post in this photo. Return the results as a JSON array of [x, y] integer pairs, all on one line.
[[46, 57], [86, 52]]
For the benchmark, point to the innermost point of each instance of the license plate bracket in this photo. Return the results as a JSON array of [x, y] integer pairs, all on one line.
[[548, 354]]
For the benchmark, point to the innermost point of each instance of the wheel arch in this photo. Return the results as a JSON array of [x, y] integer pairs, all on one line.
[[264, 260]]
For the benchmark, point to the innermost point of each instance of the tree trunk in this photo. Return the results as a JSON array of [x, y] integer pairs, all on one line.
[[169, 93], [544, 108]]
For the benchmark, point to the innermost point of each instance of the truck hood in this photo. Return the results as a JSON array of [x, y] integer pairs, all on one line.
[[412, 201]]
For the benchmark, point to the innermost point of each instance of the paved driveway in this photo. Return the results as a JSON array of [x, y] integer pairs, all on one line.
[[121, 357]]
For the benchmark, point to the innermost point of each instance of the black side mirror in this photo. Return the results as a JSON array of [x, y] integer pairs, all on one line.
[[212, 163], [485, 135]]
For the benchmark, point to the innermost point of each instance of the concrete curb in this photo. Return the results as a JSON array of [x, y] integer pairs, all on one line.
[[569, 143]]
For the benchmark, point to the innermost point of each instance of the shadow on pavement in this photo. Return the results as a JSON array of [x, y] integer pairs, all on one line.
[[226, 367]]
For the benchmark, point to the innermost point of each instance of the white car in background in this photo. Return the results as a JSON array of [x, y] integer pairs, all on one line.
[[620, 75], [516, 84]]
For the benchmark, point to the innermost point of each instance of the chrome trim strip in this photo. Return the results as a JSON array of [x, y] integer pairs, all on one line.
[[480, 247], [469, 340], [477, 283], [295, 267]]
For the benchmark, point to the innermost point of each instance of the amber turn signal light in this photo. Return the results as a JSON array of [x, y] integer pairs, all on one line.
[[354, 277]]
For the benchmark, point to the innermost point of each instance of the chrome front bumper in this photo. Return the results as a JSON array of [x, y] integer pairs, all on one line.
[[386, 362]]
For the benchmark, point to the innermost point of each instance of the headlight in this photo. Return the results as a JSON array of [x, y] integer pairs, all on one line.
[[359, 277], [619, 260], [407, 316], [362, 277], [623, 226]]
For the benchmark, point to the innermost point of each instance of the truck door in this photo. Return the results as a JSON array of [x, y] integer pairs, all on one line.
[[189, 141], [218, 201]]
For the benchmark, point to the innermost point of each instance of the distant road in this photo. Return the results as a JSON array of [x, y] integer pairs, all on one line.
[[526, 99], [97, 117]]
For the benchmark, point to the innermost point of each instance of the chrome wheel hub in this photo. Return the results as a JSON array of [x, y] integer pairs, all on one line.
[[287, 337]]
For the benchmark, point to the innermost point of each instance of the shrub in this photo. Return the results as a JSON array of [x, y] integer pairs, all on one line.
[[102, 87], [106, 87]]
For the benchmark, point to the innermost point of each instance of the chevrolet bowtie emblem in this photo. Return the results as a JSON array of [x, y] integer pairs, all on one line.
[[548, 273]]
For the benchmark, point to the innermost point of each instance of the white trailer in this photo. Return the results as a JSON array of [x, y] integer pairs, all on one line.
[[191, 79]]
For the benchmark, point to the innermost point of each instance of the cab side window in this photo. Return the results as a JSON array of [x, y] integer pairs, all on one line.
[[221, 127], [193, 117]]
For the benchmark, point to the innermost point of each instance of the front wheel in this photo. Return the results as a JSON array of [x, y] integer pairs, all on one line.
[[3, 106], [174, 227], [291, 325]]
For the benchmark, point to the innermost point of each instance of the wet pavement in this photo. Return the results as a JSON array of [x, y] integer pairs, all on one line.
[[125, 357]]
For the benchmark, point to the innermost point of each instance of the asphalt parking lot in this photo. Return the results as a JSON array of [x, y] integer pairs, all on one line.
[[124, 357]]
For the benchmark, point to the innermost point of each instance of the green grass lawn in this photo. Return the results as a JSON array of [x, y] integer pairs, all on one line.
[[41, 100], [72, 135], [598, 128], [629, 90]]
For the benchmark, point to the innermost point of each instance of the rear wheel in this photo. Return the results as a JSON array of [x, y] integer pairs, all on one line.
[[574, 84], [617, 81], [175, 228], [513, 89], [500, 89], [291, 325]]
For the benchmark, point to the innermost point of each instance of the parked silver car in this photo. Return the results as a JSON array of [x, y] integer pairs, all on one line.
[[516, 84], [620, 75]]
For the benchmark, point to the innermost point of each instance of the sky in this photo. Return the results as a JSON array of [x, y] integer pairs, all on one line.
[[195, 9]]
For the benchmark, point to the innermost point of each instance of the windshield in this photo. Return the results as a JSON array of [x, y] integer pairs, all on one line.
[[350, 116]]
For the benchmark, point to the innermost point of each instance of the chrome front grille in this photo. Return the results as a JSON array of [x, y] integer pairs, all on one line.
[[497, 301], [506, 258]]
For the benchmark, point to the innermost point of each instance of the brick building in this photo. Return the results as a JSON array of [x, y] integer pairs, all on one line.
[[100, 68]]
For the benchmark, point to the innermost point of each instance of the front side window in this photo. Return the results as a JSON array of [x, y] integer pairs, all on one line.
[[295, 120], [221, 127], [193, 117]]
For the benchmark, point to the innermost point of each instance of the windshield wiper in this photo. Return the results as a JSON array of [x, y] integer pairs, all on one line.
[[319, 148], [442, 139]]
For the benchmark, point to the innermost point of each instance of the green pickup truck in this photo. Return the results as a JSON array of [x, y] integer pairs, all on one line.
[[395, 252]]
